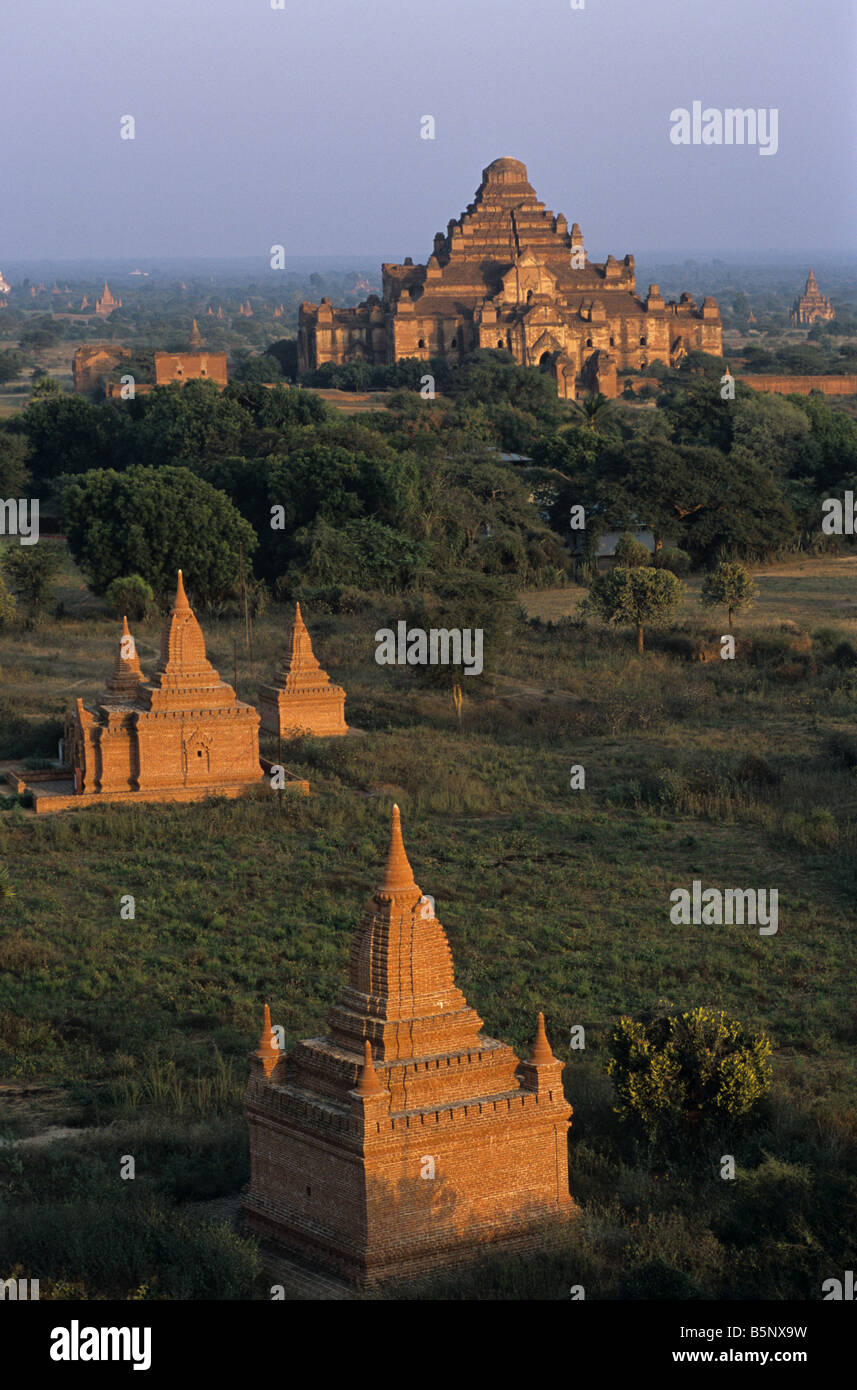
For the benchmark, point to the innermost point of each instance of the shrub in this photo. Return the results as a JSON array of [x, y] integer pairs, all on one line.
[[631, 553], [672, 559], [680, 1075], [31, 570], [7, 605], [842, 749], [131, 597], [658, 1279]]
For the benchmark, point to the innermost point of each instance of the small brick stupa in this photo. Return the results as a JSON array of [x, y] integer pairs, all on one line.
[[302, 699], [405, 1140], [180, 736]]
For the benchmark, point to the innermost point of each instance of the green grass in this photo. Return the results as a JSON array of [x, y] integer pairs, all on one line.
[[552, 899]]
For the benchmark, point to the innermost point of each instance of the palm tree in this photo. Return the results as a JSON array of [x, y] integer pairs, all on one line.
[[594, 409]]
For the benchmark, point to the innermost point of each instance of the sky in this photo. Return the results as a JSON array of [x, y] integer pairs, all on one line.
[[300, 126]]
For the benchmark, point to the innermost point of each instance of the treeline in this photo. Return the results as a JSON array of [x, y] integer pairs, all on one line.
[[423, 490]]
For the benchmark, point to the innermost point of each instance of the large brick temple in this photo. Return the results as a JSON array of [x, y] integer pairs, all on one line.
[[511, 274], [406, 1139], [180, 736], [812, 306]]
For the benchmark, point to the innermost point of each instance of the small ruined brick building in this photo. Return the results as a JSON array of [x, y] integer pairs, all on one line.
[[302, 699], [510, 274], [180, 736], [811, 306], [405, 1140]]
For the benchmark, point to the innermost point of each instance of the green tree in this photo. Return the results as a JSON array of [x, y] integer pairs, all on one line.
[[11, 365], [68, 434], [44, 385], [641, 597], [679, 1074], [153, 522], [729, 586], [631, 553], [131, 597], [188, 425], [31, 571], [14, 472], [594, 410]]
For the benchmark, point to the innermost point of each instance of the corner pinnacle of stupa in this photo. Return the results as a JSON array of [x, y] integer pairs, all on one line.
[[398, 875], [268, 1050], [541, 1047], [180, 601], [368, 1083]]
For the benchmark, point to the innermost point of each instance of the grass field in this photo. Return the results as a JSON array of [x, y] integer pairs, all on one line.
[[738, 773]]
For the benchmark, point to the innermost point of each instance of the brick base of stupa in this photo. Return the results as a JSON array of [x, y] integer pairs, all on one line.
[[405, 1259], [319, 713]]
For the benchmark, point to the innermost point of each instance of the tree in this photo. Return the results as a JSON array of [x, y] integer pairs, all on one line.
[[677, 1074], [11, 363], [14, 473], [730, 586], [31, 570], [153, 522], [637, 596], [68, 434], [631, 553], [44, 385], [188, 424], [286, 352], [594, 410], [131, 597]]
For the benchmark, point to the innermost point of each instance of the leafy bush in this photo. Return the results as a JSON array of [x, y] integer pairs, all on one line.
[[679, 1075], [131, 597], [672, 559], [631, 553]]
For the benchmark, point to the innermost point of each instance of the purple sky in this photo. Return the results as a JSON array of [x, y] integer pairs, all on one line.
[[301, 125]]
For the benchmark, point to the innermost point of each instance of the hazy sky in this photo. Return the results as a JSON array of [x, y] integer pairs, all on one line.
[[302, 125]]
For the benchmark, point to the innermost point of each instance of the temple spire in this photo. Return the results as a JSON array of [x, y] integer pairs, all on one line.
[[181, 597], [398, 874], [127, 674], [368, 1084], [541, 1047]]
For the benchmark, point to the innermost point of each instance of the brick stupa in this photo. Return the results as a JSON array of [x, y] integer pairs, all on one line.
[[406, 1140], [180, 736], [302, 699]]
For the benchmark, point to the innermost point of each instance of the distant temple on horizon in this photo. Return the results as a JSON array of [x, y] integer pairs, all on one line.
[[811, 306], [405, 1140], [107, 302], [510, 274]]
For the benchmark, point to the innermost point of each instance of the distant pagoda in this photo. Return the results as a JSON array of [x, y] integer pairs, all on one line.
[[406, 1139], [302, 699], [812, 306], [107, 302]]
